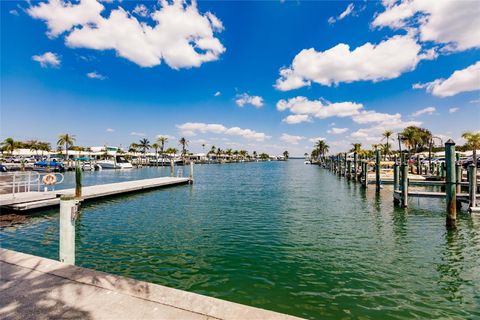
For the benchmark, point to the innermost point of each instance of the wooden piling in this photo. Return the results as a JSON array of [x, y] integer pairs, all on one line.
[[396, 181], [404, 181], [355, 166], [472, 186], [68, 212], [458, 173], [377, 170], [450, 184], [78, 181], [172, 168]]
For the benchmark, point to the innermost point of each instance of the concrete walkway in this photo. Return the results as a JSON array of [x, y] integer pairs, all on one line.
[[37, 288]]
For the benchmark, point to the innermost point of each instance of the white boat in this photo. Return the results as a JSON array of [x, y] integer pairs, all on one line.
[[88, 166], [115, 162], [307, 162]]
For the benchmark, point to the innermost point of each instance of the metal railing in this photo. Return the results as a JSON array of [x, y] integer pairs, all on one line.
[[17, 182]]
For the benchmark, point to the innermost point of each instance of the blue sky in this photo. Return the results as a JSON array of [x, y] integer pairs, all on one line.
[[350, 71]]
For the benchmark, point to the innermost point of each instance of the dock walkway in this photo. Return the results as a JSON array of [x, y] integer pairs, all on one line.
[[32, 287], [34, 200]]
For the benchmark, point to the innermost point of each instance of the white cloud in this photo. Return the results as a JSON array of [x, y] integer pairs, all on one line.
[[348, 10], [96, 75], [291, 139], [297, 118], [373, 116], [141, 10], [181, 35], [48, 59], [218, 93], [374, 133], [316, 108], [138, 134], [337, 130], [451, 23], [464, 80], [192, 128], [110, 130], [453, 110], [244, 99], [428, 110], [474, 101], [13, 12], [316, 139], [374, 62]]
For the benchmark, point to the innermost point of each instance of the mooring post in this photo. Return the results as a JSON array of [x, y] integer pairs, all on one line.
[[472, 185], [345, 169], [78, 181], [404, 181], [355, 166], [349, 169], [458, 173], [377, 170], [365, 174], [418, 165], [450, 184], [191, 171], [172, 168], [396, 180], [68, 213]]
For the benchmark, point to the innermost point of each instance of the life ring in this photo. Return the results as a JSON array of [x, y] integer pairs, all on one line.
[[49, 179]]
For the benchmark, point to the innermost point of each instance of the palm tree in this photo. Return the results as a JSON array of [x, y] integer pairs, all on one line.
[[33, 145], [285, 154], [254, 154], [357, 147], [387, 134], [162, 141], [9, 145], [133, 148], [473, 143], [322, 148], [183, 142], [415, 138], [155, 146], [66, 140], [144, 145]]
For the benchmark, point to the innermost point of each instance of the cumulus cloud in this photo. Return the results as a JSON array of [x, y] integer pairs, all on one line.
[[218, 93], [110, 130], [297, 118], [96, 75], [301, 106], [192, 128], [374, 62], [48, 59], [374, 133], [291, 139], [181, 36], [337, 130], [453, 110], [244, 99], [348, 10], [450, 23], [373, 116], [464, 80], [428, 110]]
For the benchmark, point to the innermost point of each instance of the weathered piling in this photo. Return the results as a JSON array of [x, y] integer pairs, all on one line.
[[349, 169], [377, 170], [191, 172], [404, 181], [172, 168], [396, 181], [458, 173], [450, 184], [346, 167], [365, 174], [355, 166], [78, 181], [472, 186], [68, 213]]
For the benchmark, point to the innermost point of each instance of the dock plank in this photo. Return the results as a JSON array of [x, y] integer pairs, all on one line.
[[35, 200]]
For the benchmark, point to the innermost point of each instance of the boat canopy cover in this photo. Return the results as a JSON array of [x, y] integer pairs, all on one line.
[[48, 164]]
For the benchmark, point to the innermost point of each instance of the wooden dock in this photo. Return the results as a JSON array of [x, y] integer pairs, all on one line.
[[38, 288], [34, 200]]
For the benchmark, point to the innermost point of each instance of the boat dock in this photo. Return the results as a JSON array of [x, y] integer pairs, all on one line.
[[37, 199], [34, 287]]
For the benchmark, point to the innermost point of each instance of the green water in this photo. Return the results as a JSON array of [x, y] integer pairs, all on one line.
[[282, 236]]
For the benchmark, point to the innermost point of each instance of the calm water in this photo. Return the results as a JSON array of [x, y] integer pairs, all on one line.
[[278, 235]]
